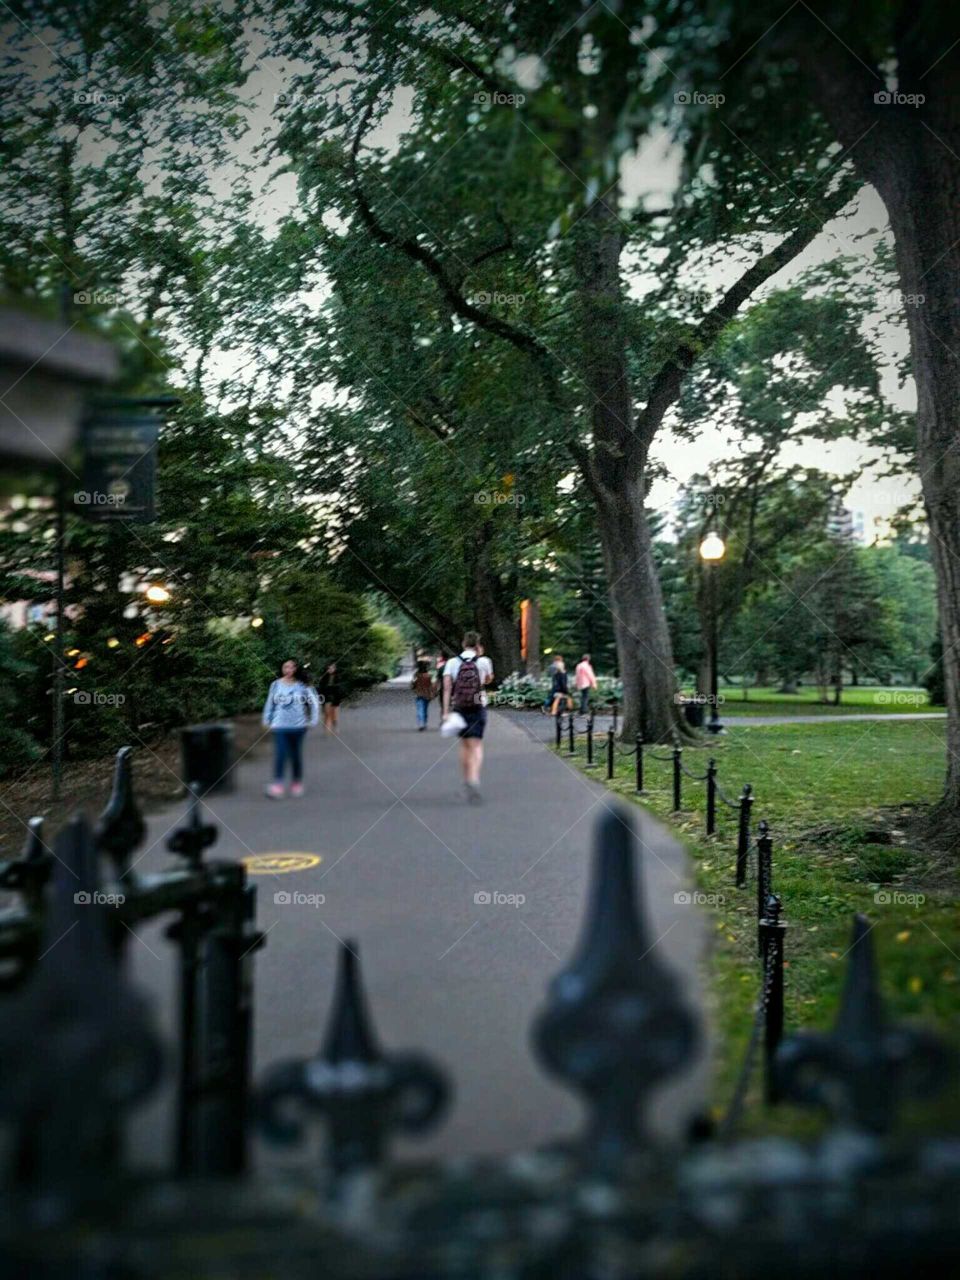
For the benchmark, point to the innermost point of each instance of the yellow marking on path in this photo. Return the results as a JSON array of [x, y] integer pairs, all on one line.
[[275, 864]]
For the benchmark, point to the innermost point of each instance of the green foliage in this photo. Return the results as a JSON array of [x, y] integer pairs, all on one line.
[[18, 746]]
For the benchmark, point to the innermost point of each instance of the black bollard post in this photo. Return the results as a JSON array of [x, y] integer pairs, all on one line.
[[772, 930], [711, 796], [558, 722], [571, 730], [677, 760], [615, 704], [764, 874], [590, 764], [611, 748], [743, 835], [639, 763]]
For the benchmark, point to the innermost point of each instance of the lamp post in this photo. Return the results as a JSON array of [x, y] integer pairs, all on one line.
[[712, 550]]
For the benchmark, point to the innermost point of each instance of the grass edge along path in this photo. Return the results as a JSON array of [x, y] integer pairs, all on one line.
[[843, 803]]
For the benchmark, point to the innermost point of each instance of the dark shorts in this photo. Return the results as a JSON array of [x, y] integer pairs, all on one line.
[[476, 723]]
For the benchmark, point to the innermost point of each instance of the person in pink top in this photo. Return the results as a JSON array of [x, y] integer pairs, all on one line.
[[584, 680]]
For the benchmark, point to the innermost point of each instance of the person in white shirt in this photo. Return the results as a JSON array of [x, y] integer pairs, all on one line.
[[585, 680], [464, 681]]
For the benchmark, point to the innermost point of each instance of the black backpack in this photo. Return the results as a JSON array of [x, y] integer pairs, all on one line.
[[465, 695]]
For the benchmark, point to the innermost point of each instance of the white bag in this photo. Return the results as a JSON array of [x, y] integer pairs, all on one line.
[[453, 725]]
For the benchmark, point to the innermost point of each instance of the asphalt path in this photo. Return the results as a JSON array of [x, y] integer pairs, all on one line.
[[410, 872]]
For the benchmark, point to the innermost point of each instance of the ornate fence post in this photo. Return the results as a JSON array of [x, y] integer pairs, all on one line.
[[764, 875], [571, 730], [590, 764], [677, 766], [743, 834], [772, 930], [639, 748], [711, 796], [611, 749]]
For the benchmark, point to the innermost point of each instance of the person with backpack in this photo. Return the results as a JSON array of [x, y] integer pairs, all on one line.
[[424, 691], [464, 680], [292, 707], [559, 690]]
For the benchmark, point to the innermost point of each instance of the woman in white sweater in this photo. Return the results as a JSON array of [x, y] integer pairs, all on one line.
[[292, 707]]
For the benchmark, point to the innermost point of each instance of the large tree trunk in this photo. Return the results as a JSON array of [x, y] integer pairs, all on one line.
[[909, 154], [639, 621], [614, 472]]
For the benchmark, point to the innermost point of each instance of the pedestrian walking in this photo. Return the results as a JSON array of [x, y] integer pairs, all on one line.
[[559, 689], [331, 695], [585, 679], [464, 680], [548, 696], [292, 707], [424, 690]]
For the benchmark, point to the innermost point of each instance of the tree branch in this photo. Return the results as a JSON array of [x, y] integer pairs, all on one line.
[[667, 382]]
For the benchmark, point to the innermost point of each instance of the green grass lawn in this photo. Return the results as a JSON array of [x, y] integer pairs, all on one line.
[[841, 800], [856, 699]]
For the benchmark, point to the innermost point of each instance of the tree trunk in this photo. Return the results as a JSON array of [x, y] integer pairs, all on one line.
[[909, 153], [498, 623], [614, 470], [639, 621]]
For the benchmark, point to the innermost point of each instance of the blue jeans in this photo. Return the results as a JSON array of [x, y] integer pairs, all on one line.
[[423, 706], [288, 745]]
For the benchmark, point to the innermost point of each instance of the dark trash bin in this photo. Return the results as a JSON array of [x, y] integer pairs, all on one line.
[[207, 753], [693, 711]]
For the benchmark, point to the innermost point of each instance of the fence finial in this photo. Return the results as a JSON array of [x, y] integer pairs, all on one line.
[[361, 1092], [861, 1069], [614, 1024], [120, 827]]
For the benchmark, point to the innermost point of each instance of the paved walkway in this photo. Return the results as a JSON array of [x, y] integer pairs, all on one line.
[[402, 859]]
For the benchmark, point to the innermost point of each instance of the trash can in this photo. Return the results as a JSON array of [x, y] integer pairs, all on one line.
[[693, 712], [207, 755]]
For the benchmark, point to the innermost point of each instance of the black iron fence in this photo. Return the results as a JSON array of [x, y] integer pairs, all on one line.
[[78, 1052]]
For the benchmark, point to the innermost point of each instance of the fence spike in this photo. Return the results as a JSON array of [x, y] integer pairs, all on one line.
[[120, 827], [614, 1023], [865, 1066], [361, 1092]]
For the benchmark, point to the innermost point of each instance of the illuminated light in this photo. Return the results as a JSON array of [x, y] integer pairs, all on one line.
[[712, 548], [51, 635], [141, 640], [112, 642], [70, 691], [80, 664], [156, 594], [169, 640], [256, 622], [72, 653]]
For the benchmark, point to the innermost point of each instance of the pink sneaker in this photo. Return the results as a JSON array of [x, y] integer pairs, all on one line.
[[275, 791], [296, 789]]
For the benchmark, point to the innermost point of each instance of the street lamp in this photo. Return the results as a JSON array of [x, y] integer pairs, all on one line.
[[157, 594], [712, 550]]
